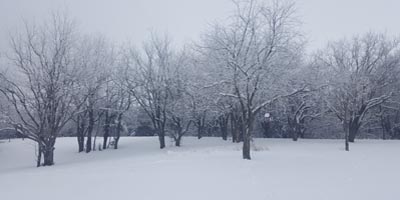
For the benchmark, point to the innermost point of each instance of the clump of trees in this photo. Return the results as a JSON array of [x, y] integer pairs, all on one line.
[[362, 73], [247, 77]]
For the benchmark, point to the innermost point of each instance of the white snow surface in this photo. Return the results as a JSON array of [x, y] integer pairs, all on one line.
[[204, 169]]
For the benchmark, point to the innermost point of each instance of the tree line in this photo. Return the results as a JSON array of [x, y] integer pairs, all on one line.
[[248, 76]]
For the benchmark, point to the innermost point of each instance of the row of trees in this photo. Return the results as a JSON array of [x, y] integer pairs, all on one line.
[[247, 76]]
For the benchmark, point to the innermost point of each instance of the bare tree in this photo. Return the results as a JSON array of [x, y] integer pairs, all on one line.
[[359, 74], [181, 97], [41, 94], [95, 58], [250, 48], [148, 80]]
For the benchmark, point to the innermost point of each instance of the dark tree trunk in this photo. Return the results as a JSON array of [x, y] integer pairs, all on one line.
[[294, 136], [161, 138], [292, 128], [386, 127], [106, 129], [80, 134], [353, 129], [200, 124], [241, 131], [347, 142], [178, 141], [118, 133], [90, 130], [296, 128], [247, 135], [233, 129], [266, 126], [346, 136], [223, 125], [48, 156], [39, 155], [236, 128], [159, 125], [200, 131], [81, 143], [355, 124], [246, 145]]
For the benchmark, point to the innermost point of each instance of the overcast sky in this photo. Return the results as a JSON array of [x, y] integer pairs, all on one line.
[[122, 20]]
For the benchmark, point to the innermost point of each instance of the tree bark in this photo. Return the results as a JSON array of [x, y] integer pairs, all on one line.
[[347, 142], [353, 130], [48, 156], [247, 135], [80, 134], [200, 123], [161, 138], [200, 131], [90, 130], [223, 125], [106, 129], [39, 155], [246, 145], [346, 136], [118, 133], [178, 141]]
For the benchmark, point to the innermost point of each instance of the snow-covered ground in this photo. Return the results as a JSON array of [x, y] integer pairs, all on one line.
[[204, 169]]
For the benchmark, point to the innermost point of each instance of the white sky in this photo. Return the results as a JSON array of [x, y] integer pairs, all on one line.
[[122, 20]]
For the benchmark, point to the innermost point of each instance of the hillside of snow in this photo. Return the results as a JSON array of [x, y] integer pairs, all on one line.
[[205, 169]]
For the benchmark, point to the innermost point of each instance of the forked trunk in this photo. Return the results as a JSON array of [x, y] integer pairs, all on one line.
[[353, 130]]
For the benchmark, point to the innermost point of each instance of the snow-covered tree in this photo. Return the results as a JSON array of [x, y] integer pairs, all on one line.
[[42, 88], [252, 51], [95, 58], [359, 74], [148, 80]]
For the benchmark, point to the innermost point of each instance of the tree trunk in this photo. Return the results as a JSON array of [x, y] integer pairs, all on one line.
[[81, 143], [106, 129], [236, 128], [353, 130], [233, 130], [223, 124], [346, 136], [118, 133], [294, 136], [39, 155], [200, 128], [297, 131], [199, 132], [246, 145], [347, 142], [89, 131], [161, 138], [178, 141], [48, 156], [80, 135], [200, 123]]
